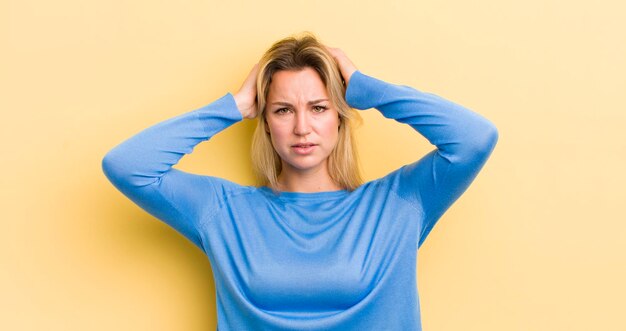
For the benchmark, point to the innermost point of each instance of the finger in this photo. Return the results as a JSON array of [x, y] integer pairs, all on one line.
[[331, 50]]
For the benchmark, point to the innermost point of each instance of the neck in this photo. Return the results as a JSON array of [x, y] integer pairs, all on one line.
[[306, 182]]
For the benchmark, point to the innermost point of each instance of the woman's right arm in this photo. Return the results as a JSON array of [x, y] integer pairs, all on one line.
[[141, 166]]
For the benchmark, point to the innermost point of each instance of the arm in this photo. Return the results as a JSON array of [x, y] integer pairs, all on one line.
[[141, 166], [463, 138]]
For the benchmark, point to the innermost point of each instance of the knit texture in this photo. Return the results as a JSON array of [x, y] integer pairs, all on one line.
[[334, 260]]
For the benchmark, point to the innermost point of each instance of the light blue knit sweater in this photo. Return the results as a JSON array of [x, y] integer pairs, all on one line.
[[335, 260]]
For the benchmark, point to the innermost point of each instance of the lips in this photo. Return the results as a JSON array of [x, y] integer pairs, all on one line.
[[304, 148], [304, 145]]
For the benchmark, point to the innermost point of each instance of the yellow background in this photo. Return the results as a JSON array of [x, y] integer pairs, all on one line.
[[537, 242]]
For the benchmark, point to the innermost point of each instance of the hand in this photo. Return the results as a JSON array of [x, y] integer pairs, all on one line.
[[246, 96], [346, 66]]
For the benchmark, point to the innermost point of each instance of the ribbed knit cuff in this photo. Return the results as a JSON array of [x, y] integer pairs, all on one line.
[[224, 109], [364, 92]]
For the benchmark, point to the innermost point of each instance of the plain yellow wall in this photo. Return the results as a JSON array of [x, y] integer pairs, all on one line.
[[538, 241]]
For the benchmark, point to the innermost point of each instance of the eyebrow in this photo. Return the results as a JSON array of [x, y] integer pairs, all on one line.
[[288, 104]]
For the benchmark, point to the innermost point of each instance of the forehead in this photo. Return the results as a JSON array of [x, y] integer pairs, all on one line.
[[305, 84]]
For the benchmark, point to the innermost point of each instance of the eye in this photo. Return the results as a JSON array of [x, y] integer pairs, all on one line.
[[319, 109], [281, 110]]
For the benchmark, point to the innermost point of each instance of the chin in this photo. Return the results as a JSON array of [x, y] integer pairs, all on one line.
[[303, 166]]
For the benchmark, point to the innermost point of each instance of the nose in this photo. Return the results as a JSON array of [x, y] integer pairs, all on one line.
[[302, 125]]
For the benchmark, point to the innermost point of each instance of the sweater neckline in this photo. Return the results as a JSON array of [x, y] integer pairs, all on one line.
[[287, 195]]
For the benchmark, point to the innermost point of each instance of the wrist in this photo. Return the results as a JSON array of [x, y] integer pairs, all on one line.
[[349, 73], [347, 69], [240, 105]]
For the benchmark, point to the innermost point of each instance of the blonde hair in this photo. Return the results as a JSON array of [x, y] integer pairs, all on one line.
[[296, 53]]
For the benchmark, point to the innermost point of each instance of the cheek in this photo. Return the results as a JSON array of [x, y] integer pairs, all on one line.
[[277, 132], [332, 128], [329, 136]]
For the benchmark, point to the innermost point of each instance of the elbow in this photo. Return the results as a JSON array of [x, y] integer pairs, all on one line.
[[125, 170], [113, 167], [481, 142], [107, 165], [495, 135], [485, 143], [492, 134]]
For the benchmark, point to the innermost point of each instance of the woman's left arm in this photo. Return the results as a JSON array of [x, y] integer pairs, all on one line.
[[464, 141]]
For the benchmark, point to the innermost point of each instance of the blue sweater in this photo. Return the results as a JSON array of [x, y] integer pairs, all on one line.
[[333, 260]]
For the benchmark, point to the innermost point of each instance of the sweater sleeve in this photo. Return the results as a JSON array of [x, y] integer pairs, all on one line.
[[141, 166], [464, 141]]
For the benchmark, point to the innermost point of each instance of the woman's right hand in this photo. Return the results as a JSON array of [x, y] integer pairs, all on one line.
[[246, 96]]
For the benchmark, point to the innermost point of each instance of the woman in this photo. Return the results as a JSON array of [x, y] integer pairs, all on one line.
[[311, 247]]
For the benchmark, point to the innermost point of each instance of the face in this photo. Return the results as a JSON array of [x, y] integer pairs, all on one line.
[[302, 122]]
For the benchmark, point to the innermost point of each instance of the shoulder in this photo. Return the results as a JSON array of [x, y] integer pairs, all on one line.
[[390, 181], [397, 183], [224, 187]]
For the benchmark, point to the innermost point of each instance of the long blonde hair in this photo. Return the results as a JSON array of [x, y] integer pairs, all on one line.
[[297, 52]]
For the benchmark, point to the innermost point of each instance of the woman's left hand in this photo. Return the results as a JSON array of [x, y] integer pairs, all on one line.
[[346, 66]]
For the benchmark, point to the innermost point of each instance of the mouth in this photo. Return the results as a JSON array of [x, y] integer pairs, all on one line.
[[303, 149], [305, 145]]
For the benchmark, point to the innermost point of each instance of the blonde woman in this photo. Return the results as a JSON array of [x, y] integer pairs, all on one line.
[[311, 247]]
